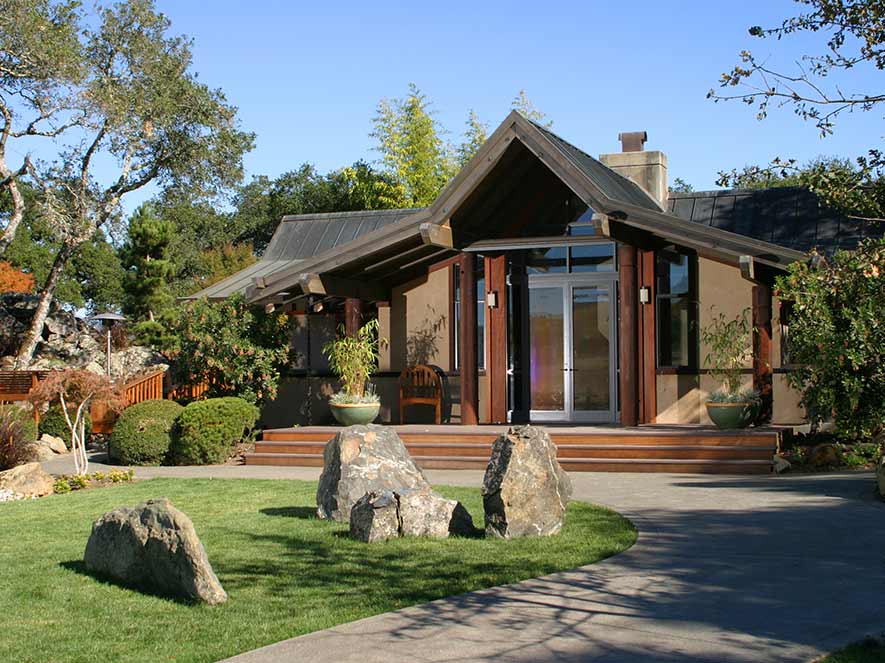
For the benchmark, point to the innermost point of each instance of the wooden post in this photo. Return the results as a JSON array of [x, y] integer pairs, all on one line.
[[496, 362], [762, 369], [468, 339], [648, 395], [628, 336], [353, 315]]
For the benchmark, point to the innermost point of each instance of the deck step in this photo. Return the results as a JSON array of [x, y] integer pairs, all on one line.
[[483, 451], [692, 466]]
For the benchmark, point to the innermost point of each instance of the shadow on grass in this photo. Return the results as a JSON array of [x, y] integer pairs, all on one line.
[[302, 512], [78, 567]]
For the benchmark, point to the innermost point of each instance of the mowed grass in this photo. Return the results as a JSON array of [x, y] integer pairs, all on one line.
[[287, 573]]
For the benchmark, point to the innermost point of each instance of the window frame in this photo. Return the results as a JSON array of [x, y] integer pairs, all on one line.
[[693, 297]]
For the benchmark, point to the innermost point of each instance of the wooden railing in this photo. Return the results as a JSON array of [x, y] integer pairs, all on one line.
[[188, 392], [18, 385], [142, 388]]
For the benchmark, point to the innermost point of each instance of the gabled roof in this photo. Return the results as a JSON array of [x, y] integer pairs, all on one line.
[[787, 216], [404, 242], [299, 237]]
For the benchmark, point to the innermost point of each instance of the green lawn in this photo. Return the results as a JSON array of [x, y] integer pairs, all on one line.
[[286, 572], [862, 652]]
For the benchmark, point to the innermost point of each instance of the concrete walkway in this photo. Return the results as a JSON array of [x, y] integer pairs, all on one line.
[[725, 569]]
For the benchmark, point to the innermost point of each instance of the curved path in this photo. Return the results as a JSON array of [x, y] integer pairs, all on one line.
[[725, 569]]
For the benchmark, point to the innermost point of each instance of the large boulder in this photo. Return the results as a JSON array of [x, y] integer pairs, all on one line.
[[378, 516], [525, 491], [154, 546], [360, 460], [56, 444], [38, 452], [28, 480]]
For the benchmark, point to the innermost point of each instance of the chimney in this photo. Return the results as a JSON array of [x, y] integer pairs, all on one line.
[[647, 169]]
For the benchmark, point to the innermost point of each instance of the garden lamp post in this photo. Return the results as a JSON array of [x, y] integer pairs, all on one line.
[[108, 320]]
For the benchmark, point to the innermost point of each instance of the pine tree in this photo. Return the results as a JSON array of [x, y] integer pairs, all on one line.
[[145, 256]]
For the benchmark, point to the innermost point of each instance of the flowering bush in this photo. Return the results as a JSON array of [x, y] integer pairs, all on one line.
[[837, 337], [237, 349]]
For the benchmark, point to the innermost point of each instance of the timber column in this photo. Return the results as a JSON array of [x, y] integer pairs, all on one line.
[[762, 369], [628, 336], [467, 340], [353, 315]]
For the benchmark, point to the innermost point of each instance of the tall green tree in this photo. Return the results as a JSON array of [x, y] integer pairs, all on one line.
[[818, 90], [40, 64], [138, 104], [412, 147], [261, 203], [524, 106], [475, 134], [145, 256]]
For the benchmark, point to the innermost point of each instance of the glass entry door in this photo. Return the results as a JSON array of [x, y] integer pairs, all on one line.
[[572, 349]]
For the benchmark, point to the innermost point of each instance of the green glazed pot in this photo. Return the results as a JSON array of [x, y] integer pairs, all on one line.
[[355, 414], [732, 415]]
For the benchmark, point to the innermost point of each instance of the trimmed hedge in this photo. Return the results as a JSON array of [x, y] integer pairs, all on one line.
[[142, 434], [52, 422], [206, 431]]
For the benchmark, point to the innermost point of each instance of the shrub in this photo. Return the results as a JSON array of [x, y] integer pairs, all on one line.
[[23, 415], [235, 348], [13, 438], [206, 431], [143, 433], [52, 422], [837, 337]]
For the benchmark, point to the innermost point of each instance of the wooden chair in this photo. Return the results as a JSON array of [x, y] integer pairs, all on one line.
[[420, 385]]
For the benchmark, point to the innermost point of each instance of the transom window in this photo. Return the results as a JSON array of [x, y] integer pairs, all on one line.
[[597, 257]]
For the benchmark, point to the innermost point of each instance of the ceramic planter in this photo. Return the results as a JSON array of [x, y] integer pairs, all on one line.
[[732, 415], [355, 414]]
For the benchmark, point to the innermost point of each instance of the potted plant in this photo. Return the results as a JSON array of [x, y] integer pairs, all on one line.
[[353, 359], [729, 342]]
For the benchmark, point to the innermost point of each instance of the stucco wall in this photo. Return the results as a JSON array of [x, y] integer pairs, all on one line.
[[680, 398], [419, 322]]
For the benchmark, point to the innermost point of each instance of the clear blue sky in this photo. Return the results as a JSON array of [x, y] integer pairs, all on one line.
[[307, 76]]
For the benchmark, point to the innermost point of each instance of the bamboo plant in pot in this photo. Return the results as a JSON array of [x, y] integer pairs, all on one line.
[[729, 343], [353, 359]]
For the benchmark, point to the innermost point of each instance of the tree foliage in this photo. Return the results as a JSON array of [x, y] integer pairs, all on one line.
[[854, 38], [524, 106], [234, 348], [412, 147], [14, 280], [837, 336], [145, 256], [132, 100]]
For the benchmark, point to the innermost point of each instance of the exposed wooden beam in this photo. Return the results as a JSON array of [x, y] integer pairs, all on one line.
[[467, 338], [437, 234], [336, 286]]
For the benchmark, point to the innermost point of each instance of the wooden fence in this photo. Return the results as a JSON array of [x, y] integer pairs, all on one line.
[[17, 385], [146, 387]]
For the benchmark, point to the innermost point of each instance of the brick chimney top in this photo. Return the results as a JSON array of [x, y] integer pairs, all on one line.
[[632, 141]]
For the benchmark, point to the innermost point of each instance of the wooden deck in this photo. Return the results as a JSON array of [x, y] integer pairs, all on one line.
[[689, 449]]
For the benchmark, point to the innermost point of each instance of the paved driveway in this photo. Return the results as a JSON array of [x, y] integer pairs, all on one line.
[[725, 569]]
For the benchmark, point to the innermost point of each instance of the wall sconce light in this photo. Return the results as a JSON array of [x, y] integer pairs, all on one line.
[[492, 299], [644, 295]]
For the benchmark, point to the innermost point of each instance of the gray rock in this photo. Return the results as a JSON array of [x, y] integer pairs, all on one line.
[[780, 464], [525, 491], [29, 480], [375, 517], [389, 514], [154, 546], [56, 444], [38, 452], [360, 460], [426, 513]]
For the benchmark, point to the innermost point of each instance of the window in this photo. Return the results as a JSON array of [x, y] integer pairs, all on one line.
[[597, 257], [786, 312], [480, 314], [677, 308]]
